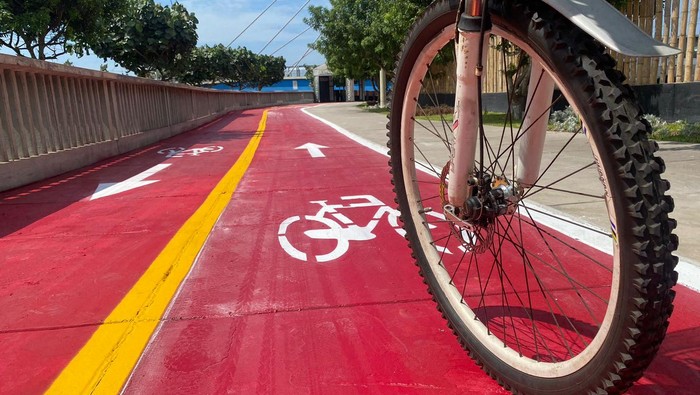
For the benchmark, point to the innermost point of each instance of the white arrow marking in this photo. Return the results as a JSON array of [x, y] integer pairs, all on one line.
[[137, 181], [314, 150]]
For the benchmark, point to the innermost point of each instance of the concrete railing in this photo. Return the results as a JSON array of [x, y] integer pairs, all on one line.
[[55, 118]]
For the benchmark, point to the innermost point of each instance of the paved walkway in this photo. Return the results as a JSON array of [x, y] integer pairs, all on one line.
[[682, 161]]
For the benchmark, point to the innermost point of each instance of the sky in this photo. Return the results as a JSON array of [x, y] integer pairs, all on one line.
[[220, 21]]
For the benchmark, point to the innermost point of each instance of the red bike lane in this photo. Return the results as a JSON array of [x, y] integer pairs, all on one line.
[[251, 318], [275, 304], [71, 247]]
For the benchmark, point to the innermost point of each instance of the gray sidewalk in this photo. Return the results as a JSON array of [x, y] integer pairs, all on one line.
[[682, 162]]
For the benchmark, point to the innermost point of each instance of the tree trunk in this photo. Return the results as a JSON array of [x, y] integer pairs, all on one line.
[[518, 85]]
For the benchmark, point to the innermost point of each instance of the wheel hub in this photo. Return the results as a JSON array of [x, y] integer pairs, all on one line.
[[489, 198]]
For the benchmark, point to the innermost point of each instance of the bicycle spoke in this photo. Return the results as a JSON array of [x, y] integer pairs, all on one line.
[[530, 193], [561, 270], [426, 159], [567, 318], [428, 168], [558, 155], [522, 252], [521, 132], [442, 118], [568, 221], [423, 200], [458, 266], [548, 296], [434, 131], [528, 267], [551, 188], [426, 182]]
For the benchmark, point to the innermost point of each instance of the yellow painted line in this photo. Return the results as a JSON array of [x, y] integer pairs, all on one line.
[[104, 364]]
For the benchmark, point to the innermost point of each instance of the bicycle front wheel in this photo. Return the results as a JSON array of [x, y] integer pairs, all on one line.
[[568, 288]]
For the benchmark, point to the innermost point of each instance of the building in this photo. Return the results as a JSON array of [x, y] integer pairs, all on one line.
[[294, 81]]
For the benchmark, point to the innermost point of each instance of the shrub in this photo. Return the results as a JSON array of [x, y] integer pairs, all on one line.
[[564, 121], [680, 131]]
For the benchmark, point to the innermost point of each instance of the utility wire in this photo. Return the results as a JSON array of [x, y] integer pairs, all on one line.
[[308, 52], [251, 23], [290, 41], [285, 25]]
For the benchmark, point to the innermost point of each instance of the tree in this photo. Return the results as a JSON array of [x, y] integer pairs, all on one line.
[[218, 65], [239, 68], [360, 37], [268, 70], [50, 28], [310, 74], [200, 67], [150, 39], [4, 13], [388, 30], [243, 73], [342, 30]]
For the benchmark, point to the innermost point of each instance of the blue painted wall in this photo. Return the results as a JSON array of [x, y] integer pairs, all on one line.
[[303, 85]]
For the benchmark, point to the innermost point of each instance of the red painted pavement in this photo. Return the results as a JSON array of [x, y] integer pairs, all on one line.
[[250, 318], [66, 261], [253, 319]]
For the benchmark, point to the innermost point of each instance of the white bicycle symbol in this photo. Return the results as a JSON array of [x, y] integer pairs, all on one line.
[[181, 152], [340, 228]]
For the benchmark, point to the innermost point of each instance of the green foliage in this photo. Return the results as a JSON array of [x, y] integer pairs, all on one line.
[[206, 64], [444, 113], [310, 75], [341, 31], [50, 28], [4, 14], [566, 120], [618, 3], [359, 37], [244, 71], [679, 131], [239, 67], [388, 29], [375, 109], [150, 39], [268, 70]]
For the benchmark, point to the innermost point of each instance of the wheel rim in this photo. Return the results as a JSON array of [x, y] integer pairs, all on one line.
[[553, 319]]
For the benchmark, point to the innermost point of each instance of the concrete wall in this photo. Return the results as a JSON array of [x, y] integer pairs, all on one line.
[[671, 102], [55, 118]]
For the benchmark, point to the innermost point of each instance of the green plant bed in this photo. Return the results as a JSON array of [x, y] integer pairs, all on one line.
[[490, 118], [679, 131], [686, 136], [374, 109], [567, 121]]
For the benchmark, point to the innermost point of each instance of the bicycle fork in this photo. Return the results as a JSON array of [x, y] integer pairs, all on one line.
[[466, 128]]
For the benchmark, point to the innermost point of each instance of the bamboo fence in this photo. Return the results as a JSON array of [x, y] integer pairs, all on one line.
[[674, 22]]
